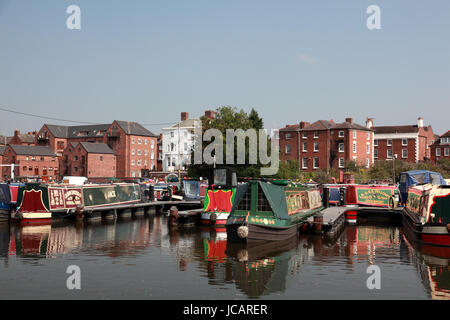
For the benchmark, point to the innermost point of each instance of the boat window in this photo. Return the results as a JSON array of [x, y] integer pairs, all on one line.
[[263, 204], [420, 178], [220, 177], [435, 179], [233, 179], [245, 203]]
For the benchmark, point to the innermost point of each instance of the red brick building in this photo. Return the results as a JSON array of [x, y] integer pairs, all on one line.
[[58, 137], [410, 143], [135, 147], [326, 144], [441, 148], [88, 159], [31, 162], [24, 139], [159, 153]]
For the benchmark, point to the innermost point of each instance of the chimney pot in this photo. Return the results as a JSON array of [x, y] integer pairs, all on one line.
[[209, 114], [420, 122], [184, 116]]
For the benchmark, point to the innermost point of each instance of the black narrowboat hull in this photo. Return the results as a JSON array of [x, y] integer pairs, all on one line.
[[427, 234], [258, 233]]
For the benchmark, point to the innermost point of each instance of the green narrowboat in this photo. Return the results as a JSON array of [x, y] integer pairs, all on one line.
[[39, 203], [267, 211]]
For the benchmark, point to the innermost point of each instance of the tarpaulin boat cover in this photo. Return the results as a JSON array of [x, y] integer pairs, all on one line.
[[415, 177], [5, 194], [275, 194]]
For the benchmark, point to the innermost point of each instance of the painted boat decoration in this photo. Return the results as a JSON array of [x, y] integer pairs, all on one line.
[[219, 197], [427, 214], [267, 211], [41, 202], [383, 196]]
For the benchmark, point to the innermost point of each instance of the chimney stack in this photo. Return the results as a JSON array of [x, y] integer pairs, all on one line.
[[420, 122], [303, 124], [209, 114], [349, 120], [16, 133], [184, 116], [369, 123]]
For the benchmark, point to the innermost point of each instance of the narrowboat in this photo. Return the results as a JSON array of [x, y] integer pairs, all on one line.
[[382, 196], [5, 202], [271, 210], [39, 203], [417, 177], [427, 214], [219, 197]]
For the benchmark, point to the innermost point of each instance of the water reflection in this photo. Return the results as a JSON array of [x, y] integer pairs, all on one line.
[[253, 270]]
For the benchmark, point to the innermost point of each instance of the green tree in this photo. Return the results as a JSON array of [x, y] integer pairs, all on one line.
[[228, 117]]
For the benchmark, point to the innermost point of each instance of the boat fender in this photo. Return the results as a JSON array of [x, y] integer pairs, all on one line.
[[18, 216], [213, 218], [242, 232]]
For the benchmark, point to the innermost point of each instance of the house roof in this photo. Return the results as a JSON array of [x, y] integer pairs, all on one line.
[[2, 140], [325, 125], [135, 129], [25, 137], [33, 150], [290, 127], [92, 147], [77, 131], [447, 134], [319, 125], [2, 150], [396, 129], [348, 125], [189, 123]]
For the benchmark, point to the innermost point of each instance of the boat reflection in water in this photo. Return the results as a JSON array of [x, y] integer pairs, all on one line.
[[309, 266], [114, 239], [264, 268], [432, 262]]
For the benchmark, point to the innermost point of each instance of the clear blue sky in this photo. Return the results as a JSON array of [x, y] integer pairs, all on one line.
[[147, 61]]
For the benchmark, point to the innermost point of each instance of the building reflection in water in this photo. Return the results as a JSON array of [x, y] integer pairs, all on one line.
[[255, 270]]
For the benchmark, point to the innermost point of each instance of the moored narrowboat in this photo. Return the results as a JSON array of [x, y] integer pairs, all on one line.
[[382, 196], [219, 197], [427, 214], [41, 202], [267, 211]]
